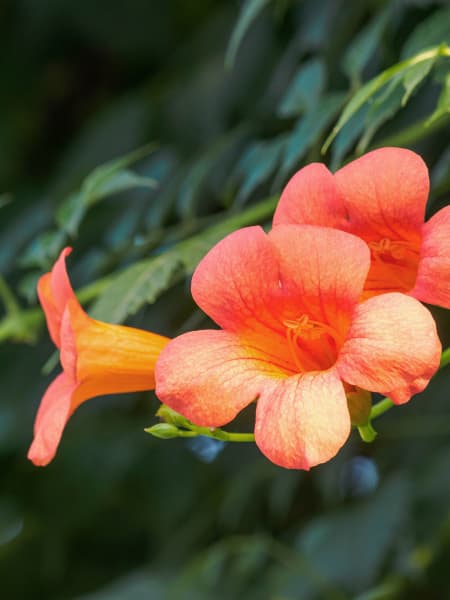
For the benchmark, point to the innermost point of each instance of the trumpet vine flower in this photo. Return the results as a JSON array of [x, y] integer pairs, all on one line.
[[381, 198], [97, 358], [295, 339]]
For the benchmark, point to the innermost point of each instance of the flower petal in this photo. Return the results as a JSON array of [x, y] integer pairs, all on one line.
[[259, 285], [322, 270], [392, 347], [210, 376], [235, 281], [52, 416], [385, 193], [311, 197], [433, 277], [302, 421], [54, 291]]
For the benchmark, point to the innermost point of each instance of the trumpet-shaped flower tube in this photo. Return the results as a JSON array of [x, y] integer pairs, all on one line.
[[381, 198], [97, 358], [294, 338]]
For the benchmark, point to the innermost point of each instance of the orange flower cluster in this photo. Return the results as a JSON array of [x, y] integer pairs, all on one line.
[[323, 308]]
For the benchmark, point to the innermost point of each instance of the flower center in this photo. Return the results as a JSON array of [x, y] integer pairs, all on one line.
[[313, 345], [394, 265]]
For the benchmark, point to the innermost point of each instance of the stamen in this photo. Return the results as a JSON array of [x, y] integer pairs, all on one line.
[[303, 330]]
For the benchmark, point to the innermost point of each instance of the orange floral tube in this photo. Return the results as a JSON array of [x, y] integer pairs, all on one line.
[[97, 358]]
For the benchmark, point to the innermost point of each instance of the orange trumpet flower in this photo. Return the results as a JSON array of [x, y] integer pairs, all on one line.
[[381, 198], [296, 340], [97, 358]]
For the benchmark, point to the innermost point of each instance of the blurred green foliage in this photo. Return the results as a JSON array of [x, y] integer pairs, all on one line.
[[141, 133]]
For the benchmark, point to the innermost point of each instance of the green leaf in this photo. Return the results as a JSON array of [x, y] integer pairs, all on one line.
[[108, 179], [141, 283], [415, 76], [347, 137], [147, 279], [27, 286], [443, 106], [383, 108], [43, 250], [330, 541], [256, 165], [364, 45], [305, 89], [372, 86], [430, 32], [307, 132], [119, 181], [249, 11]]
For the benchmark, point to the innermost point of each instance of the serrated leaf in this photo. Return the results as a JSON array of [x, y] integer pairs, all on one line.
[[139, 284], [308, 131], [99, 176], [305, 89], [374, 85], [364, 45], [147, 279], [108, 179], [249, 11], [443, 106]]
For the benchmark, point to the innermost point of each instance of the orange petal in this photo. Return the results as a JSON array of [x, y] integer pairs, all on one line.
[[433, 277], [237, 281], [54, 291], [392, 347], [250, 282], [385, 193], [322, 270], [52, 416], [311, 198], [303, 420], [210, 376]]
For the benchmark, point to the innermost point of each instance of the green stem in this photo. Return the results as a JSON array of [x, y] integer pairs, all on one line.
[[220, 434], [380, 408]]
